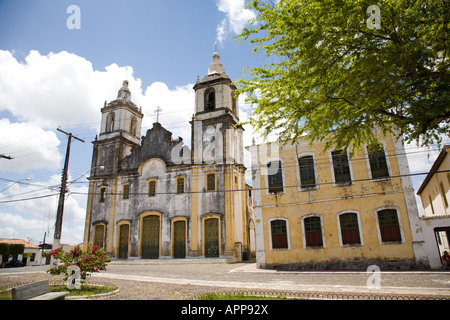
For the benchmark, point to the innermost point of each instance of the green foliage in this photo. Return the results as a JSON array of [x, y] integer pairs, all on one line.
[[16, 248], [332, 78], [7, 249], [3, 248], [93, 259]]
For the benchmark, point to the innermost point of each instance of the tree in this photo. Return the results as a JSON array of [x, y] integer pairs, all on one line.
[[7, 249], [337, 76], [93, 259]]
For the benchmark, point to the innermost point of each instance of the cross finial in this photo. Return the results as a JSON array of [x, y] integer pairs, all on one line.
[[157, 111]]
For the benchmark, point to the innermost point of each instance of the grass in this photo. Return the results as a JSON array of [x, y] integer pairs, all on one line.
[[86, 290], [240, 296]]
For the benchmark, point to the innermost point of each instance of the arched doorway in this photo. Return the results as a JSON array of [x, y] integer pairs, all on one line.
[[150, 229], [124, 235], [212, 240], [179, 239]]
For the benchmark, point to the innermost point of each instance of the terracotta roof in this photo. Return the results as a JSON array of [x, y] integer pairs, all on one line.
[[19, 241]]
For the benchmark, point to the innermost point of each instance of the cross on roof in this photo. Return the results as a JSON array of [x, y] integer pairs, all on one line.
[[158, 111]]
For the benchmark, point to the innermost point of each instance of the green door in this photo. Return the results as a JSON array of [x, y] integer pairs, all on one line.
[[179, 239], [150, 237], [123, 241], [212, 237]]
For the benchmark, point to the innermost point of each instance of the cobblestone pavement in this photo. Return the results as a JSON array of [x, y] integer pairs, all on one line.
[[186, 279]]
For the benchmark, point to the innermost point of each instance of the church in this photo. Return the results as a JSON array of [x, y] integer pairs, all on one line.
[[155, 197]]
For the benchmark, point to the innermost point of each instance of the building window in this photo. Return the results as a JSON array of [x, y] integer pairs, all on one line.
[[211, 182], [313, 232], [349, 228], [279, 234], [110, 122], [152, 188], [275, 176], [210, 100], [389, 226], [180, 184], [341, 167], [378, 164], [126, 191], [307, 174], [102, 195], [133, 126], [99, 235]]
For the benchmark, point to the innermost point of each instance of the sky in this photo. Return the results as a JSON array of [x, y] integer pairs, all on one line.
[[60, 60]]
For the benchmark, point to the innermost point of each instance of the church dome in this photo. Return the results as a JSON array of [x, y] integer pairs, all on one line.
[[216, 66]]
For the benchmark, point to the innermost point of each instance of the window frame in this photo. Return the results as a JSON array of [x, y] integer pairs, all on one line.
[[271, 239], [334, 156], [305, 236], [155, 181], [177, 182], [380, 228], [278, 175], [102, 194], [341, 233], [299, 172], [207, 174], [370, 161], [126, 195]]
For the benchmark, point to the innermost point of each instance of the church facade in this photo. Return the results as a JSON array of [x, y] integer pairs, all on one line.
[[154, 197]]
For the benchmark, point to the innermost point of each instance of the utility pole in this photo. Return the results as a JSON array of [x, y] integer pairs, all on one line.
[[62, 193]]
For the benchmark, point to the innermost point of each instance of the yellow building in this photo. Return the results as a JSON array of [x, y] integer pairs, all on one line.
[[325, 210]]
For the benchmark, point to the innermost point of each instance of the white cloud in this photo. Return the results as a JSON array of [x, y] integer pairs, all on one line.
[[30, 146], [177, 108], [56, 89], [237, 16]]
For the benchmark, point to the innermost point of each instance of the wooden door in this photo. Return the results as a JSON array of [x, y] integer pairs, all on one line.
[[150, 237], [212, 237], [179, 239], [124, 232]]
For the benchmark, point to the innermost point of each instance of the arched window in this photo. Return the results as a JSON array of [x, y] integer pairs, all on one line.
[[110, 122], [278, 229], [133, 126], [275, 176], [307, 174], [349, 228], [313, 231], [210, 100], [389, 226]]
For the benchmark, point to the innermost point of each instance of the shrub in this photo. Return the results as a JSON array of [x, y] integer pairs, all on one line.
[[93, 259]]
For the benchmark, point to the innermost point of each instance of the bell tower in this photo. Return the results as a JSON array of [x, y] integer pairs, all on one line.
[[216, 108], [218, 161], [120, 131]]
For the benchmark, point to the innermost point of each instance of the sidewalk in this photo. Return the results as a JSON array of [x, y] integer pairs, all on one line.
[[246, 277]]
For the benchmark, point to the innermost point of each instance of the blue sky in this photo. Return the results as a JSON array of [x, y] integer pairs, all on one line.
[[53, 76]]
